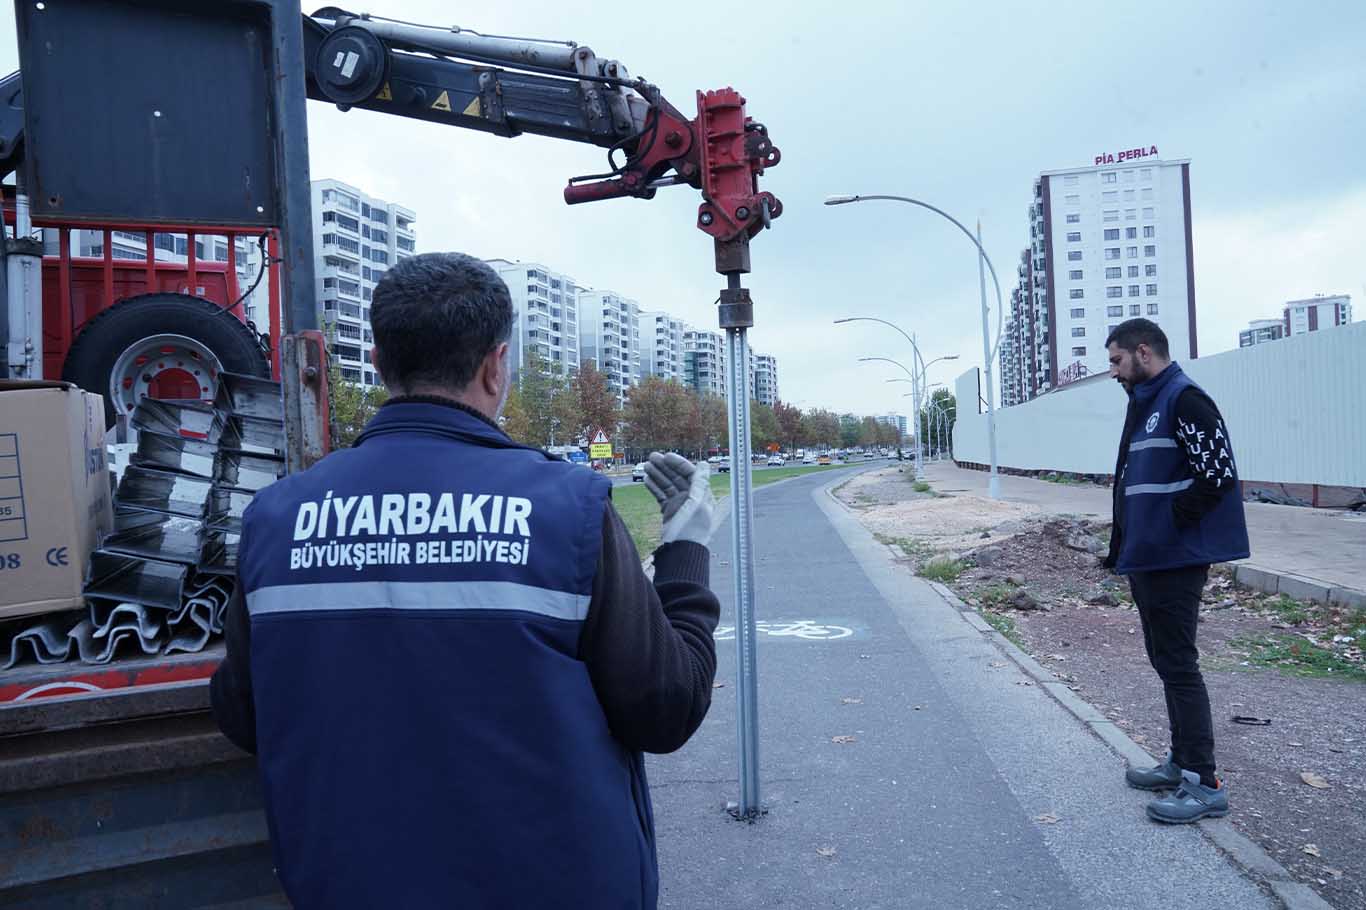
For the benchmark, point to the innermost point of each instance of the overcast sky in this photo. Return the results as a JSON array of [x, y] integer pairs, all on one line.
[[959, 104]]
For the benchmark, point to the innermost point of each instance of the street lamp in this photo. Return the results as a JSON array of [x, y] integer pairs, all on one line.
[[988, 351], [915, 390]]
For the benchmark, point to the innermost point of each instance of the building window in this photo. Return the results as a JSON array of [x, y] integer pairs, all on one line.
[[1145, 173], [1149, 232], [1112, 233], [1135, 309], [1128, 195], [1110, 196], [1131, 233], [1112, 252], [1074, 255], [1147, 194], [1150, 270], [1148, 214], [1074, 236], [1114, 311], [1074, 218], [1079, 352], [1110, 215], [1150, 250], [1131, 214], [1071, 199], [1152, 290], [1132, 252], [1078, 312], [1152, 309], [1109, 329], [1133, 271], [1129, 176], [1114, 272], [1079, 331], [1114, 291], [1109, 177], [1074, 275], [1133, 290], [1076, 293], [1069, 180]]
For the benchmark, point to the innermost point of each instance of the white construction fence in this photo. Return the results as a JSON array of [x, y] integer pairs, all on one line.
[[1295, 409]]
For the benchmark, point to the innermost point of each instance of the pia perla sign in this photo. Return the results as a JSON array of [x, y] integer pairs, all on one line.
[[1127, 155]]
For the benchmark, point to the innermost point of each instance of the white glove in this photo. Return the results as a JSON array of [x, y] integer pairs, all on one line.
[[684, 495]]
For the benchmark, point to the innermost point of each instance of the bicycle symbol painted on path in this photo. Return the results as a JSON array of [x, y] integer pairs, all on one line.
[[804, 629]]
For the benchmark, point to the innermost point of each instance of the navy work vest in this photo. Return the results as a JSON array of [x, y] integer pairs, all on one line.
[[427, 735], [1155, 471]]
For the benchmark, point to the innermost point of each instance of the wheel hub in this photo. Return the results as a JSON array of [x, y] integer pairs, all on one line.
[[163, 367]]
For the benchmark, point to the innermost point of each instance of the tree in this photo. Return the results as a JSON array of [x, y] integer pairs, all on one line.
[[566, 415], [656, 415], [789, 424], [514, 419], [946, 402], [537, 386], [351, 406], [821, 428], [849, 430], [763, 426], [868, 432], [597, 402]]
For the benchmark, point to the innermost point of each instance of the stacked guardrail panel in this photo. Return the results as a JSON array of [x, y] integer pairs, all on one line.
[[160, 580]]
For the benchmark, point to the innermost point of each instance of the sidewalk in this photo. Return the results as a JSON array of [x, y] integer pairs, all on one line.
[[904, 762], [1320, 546]]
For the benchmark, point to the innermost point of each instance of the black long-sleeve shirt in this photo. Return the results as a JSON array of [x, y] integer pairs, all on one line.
[[648, 646], [1204, 439]]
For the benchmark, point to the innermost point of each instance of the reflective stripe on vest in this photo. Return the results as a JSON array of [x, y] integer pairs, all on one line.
[[1161, 442], [1141, 488], [418, 595]]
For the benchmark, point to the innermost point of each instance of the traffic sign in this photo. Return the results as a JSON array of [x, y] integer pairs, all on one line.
[[600, 450], [600, 438]]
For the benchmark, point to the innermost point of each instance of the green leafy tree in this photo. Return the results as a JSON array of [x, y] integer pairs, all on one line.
[[763, 426], [929, 414], [849, 430], [597, 403], [351, 406], [789, 425], [656, 416]]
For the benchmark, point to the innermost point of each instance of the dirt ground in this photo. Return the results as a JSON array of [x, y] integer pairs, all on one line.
[[1298, 666]]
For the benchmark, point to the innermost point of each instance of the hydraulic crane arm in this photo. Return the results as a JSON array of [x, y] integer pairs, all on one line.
[[510, 86]]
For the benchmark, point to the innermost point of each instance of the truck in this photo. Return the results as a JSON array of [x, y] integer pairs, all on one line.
[[116, 788]]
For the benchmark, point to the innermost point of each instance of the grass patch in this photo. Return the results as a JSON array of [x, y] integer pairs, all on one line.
[[920, 486], [1291, 655], [1288, 610], [640, 512], [1006, 626], [996, 595], [913, 547], [942, 569]]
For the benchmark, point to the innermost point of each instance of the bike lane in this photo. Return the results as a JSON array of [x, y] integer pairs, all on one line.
[[900, 765]]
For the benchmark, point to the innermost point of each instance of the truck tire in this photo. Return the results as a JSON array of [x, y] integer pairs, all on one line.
[[163, 346]]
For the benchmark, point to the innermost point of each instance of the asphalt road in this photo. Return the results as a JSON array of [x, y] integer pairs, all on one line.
[[619, 480], [962, 786]]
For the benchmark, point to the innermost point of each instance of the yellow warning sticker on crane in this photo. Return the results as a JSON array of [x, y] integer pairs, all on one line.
[[474, 108], [442, 102], [385, 94]]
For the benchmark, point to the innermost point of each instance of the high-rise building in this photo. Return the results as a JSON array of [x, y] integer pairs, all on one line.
[[894, 420], [545, 307], [1259, 331], [704, 362], [1108, 242], [356, 238], [764, 385], [609, 337], [1322, 312], [662, 347]]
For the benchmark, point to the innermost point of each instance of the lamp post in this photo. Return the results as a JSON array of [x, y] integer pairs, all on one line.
[[988, 350], [915, 391]]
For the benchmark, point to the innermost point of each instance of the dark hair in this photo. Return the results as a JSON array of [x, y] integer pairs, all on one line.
[[1133, 332], [436, 317]]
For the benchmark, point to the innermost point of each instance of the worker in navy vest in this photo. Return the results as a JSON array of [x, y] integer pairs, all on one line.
[[1177, 509], [447, 657]]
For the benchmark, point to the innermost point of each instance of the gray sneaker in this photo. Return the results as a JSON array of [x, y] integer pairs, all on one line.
[[1191, 802], [1165, 776]]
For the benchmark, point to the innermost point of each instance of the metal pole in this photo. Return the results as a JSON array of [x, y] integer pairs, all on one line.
[[742, 565], [919, 436], [994, 484]]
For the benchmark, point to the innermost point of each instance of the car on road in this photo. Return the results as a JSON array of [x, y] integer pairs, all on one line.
[[723, 465], [775, 461], [823, 459], [638, 473], [809, 459]]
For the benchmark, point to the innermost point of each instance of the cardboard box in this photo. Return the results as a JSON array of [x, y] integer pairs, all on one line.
[[54, 494]]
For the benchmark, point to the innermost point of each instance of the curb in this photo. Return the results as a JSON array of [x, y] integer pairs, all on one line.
[[1300, 587], [1246, 853]]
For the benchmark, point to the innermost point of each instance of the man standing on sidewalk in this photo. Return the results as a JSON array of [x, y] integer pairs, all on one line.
[[1177, 509]]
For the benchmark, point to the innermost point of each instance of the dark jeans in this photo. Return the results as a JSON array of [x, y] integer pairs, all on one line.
[[1169, 605]]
